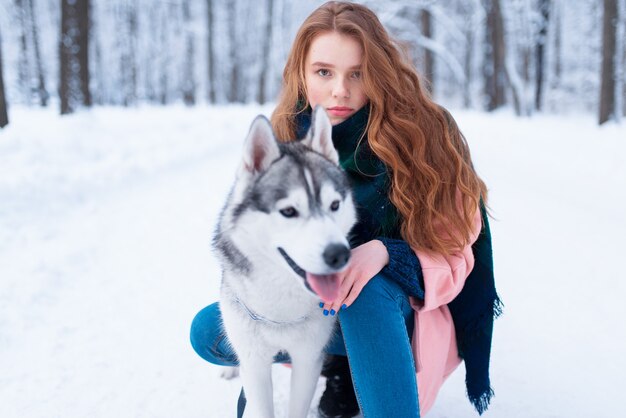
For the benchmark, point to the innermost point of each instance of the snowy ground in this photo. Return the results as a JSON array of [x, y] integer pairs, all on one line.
[[105, 225]]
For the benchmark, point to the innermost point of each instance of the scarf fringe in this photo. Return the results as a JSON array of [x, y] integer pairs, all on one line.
[[481, 402]]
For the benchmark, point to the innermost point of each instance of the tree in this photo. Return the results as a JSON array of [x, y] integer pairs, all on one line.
[[265, 66], [74, 55], [540, 48], [429, 59], [607, 88], [234, 55], [4, 117], [189, 79], [494, 71], [211, 52], [29, 16], [23, 68]]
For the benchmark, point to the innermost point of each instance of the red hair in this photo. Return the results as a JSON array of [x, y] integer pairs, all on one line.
[[433, 184]]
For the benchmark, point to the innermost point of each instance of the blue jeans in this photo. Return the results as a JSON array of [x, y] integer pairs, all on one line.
[[374, 333]]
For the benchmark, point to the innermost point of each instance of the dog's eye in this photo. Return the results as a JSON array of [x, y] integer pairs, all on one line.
[[334, 206], [289, 212]]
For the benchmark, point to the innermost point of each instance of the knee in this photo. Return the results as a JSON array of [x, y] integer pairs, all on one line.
[[380, 288], [208, 338], [380, 294]]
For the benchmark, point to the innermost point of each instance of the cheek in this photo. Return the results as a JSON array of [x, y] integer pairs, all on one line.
[[362, 99], [314, 92]]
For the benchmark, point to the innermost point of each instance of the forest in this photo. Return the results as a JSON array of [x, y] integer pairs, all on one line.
[[532, 56]]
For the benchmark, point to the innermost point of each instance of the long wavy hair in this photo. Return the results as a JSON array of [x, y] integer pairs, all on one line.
[[434, 186]]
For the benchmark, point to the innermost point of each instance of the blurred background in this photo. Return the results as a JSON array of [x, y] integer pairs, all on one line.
[[533, 56]]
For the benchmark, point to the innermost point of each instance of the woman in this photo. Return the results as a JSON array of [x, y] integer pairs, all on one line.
[[407, 309]]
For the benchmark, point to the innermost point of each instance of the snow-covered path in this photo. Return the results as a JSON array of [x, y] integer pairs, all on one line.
[[105, 226]]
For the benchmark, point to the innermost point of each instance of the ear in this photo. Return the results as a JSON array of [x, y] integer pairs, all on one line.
[[260, 148], [319, 137]]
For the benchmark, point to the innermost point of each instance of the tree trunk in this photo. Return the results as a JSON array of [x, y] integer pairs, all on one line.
[[211, 51], [127, 44], [189, 81], [265, 66], [429, 59], [235, 76], [494, 68], [619, 59], [544, 10], [4, 115], [41, 79], [66, 57], [467, 94], [23, 67], [74, 55], [83, 50], [607, 88]]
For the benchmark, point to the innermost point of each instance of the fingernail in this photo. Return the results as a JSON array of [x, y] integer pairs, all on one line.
[[321, 304], [344, 306], [325, 312], [332, 312]]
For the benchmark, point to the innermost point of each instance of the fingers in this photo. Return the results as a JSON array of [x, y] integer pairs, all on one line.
[[354, 292], [331, 309], [348, 292]]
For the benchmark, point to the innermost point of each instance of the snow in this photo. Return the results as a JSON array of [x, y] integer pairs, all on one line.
[[106, 218]]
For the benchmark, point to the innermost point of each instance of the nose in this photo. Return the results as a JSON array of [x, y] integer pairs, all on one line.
[[340, 88], [336, 255]]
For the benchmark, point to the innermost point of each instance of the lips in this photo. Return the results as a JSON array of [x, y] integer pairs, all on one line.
[[340, 110]]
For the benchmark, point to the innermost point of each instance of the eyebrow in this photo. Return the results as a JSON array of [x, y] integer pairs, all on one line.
[[325, 64]]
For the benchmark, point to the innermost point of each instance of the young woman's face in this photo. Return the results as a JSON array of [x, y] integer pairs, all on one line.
[[333, 75]]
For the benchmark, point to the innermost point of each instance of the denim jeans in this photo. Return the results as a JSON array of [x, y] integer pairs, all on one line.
[[374, 333]]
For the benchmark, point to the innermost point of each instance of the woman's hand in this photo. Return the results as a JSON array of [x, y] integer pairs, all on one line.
[[366, 261]]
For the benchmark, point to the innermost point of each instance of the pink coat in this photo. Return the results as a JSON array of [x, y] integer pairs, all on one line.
[[434, 341]]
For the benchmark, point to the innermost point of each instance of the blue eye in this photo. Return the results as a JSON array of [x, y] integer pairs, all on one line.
[[323, 72], [356, 74]]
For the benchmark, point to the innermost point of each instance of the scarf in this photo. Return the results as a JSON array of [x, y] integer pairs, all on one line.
[[477, 305]]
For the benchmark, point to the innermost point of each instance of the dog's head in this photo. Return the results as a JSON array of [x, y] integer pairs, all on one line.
[[292, 202]]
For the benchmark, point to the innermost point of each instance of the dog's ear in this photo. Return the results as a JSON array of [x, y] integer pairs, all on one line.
[[319, 137], [260, 148]]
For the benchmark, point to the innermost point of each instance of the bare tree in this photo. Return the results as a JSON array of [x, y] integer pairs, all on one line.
[[494, 71], [127, 44], [74, 55], [265, 66], [4, 116], [540, 52], [429, 59], [42, 92], [607, 88], [211, 51], [235, 69], [189, 79], [83, 7], [23, 69]]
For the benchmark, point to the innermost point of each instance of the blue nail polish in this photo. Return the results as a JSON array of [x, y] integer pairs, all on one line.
[[321, 304], [325, 312], [344, 306], [332, 312]]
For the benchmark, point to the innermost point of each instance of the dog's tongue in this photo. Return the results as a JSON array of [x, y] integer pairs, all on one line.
[[325, 285]]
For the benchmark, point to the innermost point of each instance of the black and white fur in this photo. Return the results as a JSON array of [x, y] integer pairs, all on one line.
[[265, 251]]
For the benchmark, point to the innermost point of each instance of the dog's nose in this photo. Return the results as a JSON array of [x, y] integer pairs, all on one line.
[[336, 255]]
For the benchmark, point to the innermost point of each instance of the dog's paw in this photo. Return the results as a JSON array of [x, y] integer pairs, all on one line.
[[230, 373]]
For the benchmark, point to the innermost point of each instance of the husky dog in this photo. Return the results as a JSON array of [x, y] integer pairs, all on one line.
[[281, 240]]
